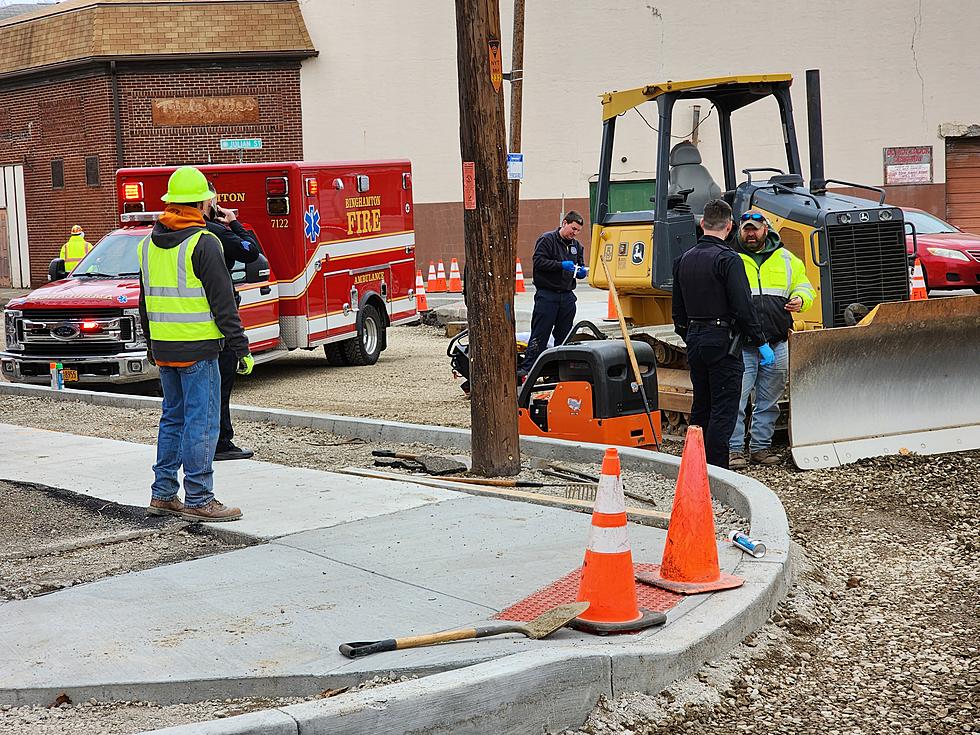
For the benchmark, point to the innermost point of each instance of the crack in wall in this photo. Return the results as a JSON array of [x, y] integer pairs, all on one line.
[[916, 27]]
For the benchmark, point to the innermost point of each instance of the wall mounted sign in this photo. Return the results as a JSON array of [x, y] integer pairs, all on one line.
[[908, 165], [187, 111]]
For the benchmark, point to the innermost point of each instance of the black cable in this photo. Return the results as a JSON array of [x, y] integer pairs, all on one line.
[[682, 137]]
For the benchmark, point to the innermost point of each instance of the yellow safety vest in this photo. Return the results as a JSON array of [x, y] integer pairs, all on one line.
[[781, 274], [176, 305], [72, 252]]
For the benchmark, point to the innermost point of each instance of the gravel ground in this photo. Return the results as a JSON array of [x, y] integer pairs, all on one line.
[[880, 632], [52, 539]]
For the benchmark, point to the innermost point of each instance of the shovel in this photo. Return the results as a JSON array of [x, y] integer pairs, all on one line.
[[542, 626], [432, 464]]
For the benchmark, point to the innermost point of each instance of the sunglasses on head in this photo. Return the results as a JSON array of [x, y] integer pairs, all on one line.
[[752, 217]]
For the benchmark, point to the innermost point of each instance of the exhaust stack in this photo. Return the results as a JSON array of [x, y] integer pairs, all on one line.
[[814, 119]]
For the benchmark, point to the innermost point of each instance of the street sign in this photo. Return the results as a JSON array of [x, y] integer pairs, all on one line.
[[515, 166], [241, 144]]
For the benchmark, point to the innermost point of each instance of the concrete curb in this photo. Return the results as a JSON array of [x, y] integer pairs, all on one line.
[[532, 691]]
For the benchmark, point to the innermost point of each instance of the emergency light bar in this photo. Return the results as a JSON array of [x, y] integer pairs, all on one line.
[[312, 187], [133, 218]]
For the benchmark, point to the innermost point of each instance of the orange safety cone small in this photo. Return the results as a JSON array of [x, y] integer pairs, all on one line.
[[440, 279], [690, 561], [455, 281], [421, 304], [519, 286], [918, 291], [607, 582], [611, 310], [431, 283]]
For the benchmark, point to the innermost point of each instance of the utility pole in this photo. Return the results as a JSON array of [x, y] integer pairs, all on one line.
[[489, 249], [516, 99]]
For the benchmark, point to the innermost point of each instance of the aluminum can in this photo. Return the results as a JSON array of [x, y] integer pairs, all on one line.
[[57, 377], [746, 544]]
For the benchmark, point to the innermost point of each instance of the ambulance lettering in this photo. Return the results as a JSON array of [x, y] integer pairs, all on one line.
[[231, 197], [369, 277]]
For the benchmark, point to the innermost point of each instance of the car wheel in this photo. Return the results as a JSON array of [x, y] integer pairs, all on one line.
[[336, 356], [366, 347]]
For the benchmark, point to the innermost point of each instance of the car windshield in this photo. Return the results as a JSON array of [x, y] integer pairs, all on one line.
[[926, 224], [114, 256]]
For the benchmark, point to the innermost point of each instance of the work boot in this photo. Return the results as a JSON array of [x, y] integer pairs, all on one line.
[[737, 461], [764, 456], [232, 452], [213, 512], [172, 507]]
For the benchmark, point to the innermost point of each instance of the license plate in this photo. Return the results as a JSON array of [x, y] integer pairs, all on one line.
[[69, 375]]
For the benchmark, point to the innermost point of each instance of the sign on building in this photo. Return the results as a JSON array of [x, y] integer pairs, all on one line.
[[186, 111], [908, 165]]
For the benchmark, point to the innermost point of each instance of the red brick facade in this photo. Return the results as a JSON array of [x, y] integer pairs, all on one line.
[[71, 119]]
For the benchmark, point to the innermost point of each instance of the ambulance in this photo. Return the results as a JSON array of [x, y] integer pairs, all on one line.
[[338, 269]]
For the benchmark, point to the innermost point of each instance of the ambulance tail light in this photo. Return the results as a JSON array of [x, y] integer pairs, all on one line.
[[277, 206], [133, 191], [312, 186], [132, 196], [406, 181], [276, 186]]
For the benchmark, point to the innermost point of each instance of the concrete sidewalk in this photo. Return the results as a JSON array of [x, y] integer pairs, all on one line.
[[348, 559]]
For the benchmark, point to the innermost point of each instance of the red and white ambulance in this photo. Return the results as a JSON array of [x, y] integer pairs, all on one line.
[[339, 268]]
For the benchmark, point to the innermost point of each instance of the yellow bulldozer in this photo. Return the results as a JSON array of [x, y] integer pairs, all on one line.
[[870, 372]]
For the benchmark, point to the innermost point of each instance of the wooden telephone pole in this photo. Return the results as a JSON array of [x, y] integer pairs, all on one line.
[[490, 251]]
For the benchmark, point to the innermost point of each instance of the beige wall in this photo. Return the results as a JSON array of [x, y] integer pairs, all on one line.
[[385, 81]]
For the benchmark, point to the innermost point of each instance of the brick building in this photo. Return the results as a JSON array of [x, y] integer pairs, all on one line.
[[88, 86]]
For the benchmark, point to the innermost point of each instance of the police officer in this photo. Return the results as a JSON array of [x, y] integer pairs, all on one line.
[[242, 246], [713, 313], [558, 261], [75, 248]]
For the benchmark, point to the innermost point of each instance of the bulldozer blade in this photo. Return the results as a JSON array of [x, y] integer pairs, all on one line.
[[905, 380]]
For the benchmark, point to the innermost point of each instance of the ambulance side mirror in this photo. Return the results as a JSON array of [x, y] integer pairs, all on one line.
[[56, 270], [257, 271]]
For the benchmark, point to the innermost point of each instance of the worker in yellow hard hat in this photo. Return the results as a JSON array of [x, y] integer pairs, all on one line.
[[188, 312], [75, 248]]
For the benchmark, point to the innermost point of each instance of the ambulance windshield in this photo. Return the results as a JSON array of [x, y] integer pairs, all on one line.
[[114, 256]]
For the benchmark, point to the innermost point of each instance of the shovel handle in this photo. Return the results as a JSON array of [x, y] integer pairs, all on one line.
[[365, 648]]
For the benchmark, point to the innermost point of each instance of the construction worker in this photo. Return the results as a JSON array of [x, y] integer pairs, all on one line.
[[75, 248], [187, 307], [780, 288], [559, 259], [713, 313], [242, 246]]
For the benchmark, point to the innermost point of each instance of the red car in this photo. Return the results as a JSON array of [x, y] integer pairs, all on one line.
[[950, 257]]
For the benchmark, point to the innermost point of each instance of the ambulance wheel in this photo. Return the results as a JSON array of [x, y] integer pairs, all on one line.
[[336, 356], [366, 348]]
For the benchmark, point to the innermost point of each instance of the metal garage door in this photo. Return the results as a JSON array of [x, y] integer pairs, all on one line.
[[963, 183]]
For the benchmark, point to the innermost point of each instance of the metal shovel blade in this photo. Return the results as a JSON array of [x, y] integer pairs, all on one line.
[[557, 617]]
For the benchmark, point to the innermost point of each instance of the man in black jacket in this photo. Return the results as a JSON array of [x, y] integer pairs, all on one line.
[[713, 313], [242, 246], [559, 260]]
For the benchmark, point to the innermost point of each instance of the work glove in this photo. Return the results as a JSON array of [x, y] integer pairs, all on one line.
[[568, 265], [767, 355], [245, 364], [581, 272]]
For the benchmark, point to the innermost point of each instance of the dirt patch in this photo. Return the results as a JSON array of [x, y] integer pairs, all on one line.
[[51, 539]]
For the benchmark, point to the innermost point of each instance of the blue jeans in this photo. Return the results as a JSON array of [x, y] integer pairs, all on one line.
[[188, 432], [768, 383]]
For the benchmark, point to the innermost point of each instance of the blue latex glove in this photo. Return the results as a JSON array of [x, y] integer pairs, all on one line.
[[581, 272], [568, 265], [768, 356]]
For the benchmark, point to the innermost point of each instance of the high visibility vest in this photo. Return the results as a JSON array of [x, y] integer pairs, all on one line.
[[176, 305], [74, 250], [782, 274]]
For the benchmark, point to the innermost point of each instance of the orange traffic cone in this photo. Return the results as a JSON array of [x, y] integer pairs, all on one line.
[[918, 292], [611, 310], [455, 281], [432, 277], [690, 561], [421, 304], [607, 574], [440, 280], [519, 279]]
